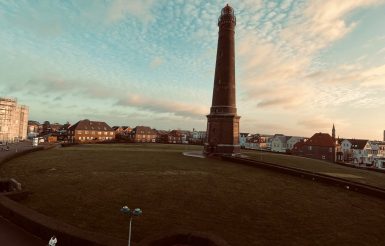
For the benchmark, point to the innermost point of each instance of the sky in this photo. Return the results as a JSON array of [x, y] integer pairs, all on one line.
[[300, 65]]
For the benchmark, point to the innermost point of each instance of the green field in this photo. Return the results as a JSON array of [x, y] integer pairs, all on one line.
[[86, 186]]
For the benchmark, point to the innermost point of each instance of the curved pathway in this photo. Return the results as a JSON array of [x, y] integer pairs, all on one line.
[[198, 154]]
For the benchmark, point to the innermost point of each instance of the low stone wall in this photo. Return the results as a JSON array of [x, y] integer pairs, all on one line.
[[346, 184], [185, 238], [364, 168], [44, 227], [12, 189]]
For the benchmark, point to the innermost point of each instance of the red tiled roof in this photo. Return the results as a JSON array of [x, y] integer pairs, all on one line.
[[143, 130], [299, 145], [91, 125], [321, 139]]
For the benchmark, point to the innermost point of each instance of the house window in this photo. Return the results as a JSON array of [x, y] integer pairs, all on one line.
[[323, 157], [79, 132], [105, 133], [330, 150], [85, 132], [99, 133], [309, 147], [111, 133]]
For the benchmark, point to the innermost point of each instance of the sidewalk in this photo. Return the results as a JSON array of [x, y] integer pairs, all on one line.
[[14, 148], [12, 235]]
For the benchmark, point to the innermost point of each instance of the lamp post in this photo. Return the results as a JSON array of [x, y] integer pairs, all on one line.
[[136, 212]]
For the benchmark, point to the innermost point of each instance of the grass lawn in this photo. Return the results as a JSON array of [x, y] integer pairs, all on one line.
[[319, 166], [86, 186]]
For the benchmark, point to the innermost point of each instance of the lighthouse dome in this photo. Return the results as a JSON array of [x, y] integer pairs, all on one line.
[[227, 10]]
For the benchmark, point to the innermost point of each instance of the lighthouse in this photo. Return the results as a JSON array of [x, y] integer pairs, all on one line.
[[222, 137]]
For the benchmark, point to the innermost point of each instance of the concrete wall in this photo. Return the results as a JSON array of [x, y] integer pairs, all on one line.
[[44, 226], [317, 177]]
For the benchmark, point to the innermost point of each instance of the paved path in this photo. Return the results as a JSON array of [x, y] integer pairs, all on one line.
[[198, 154], [14, 148], [12, 235]]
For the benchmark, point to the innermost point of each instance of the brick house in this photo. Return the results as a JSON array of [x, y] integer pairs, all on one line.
[[143, 134], [122, 132], [162, 136], [178, 137], [117, 129], [298, 148], [320, 146], [90, 131]]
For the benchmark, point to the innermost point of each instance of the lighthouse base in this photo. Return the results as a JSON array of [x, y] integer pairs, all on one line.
[[222, 134]]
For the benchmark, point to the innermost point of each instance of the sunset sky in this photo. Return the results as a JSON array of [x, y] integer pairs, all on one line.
[[300, 65]]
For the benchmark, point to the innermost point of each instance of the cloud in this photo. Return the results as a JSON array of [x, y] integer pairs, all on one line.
[[277, 65], [270, 77], [316, 122], [285, 102], [322, 24], [374, 76], [60, 88], [351, 75], [163, 106], [140, 9], [156, 62]]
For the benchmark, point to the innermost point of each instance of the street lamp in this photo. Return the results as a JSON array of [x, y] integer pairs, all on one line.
[[136, 212]]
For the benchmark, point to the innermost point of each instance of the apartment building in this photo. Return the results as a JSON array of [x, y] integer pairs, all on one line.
[[86, 131], [143, 134], [13, 120]]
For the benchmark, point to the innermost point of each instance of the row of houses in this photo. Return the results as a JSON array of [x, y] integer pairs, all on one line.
[[320, 146], [275, 143], [362, 151], [87, 131], [323, 146]]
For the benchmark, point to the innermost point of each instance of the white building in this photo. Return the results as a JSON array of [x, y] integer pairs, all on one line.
[[197, 137], [13, 120], [257, 141], [362, 151], [346, 149], [293, 140], [379, 163], [242, 139], [279, 143]]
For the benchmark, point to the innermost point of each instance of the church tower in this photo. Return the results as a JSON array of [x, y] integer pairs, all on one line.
[[223, 122], [334, 132]]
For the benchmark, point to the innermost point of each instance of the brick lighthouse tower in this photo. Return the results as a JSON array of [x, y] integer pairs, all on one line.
[[223, 122]]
